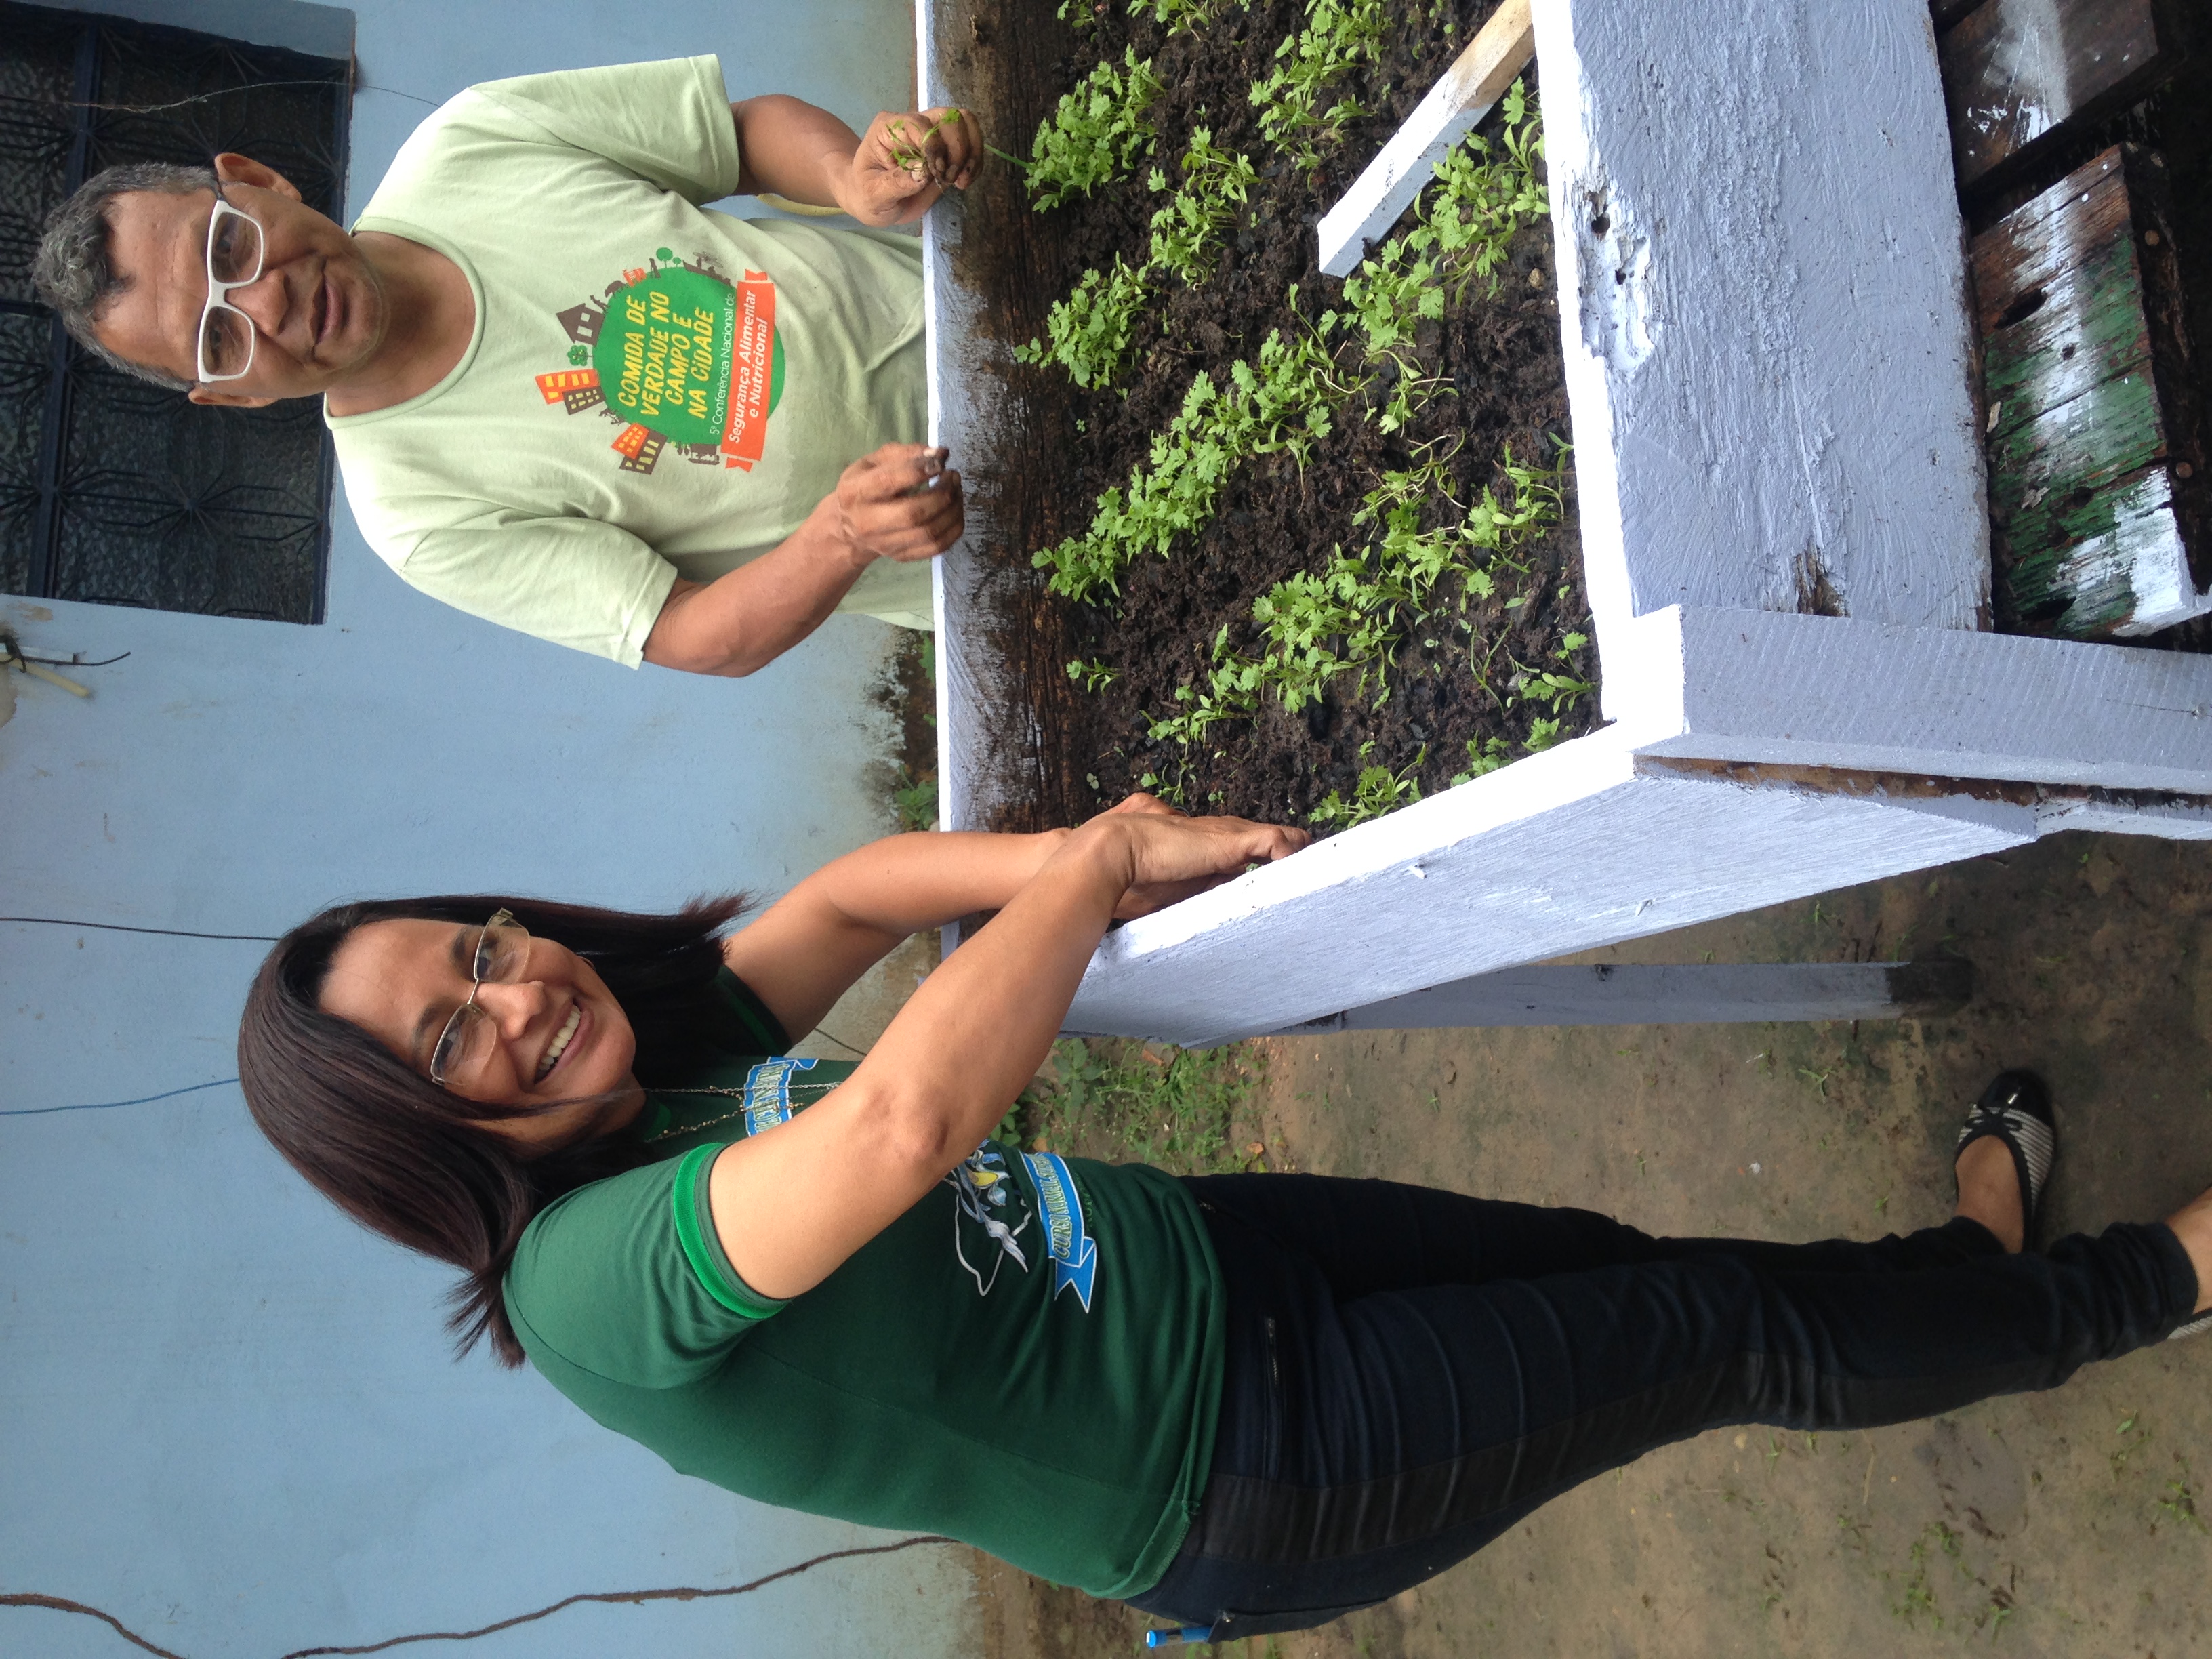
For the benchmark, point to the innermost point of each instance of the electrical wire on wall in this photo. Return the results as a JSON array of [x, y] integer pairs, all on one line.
[[126, 927]]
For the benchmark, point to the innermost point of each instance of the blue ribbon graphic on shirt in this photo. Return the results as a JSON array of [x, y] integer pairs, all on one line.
[[768, 1092], [1074, 1254]]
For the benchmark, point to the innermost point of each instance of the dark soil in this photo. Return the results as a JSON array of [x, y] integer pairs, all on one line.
[[1059, 447]]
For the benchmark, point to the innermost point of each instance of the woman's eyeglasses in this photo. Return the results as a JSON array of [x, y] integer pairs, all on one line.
[[470, 1035], [234, 248]]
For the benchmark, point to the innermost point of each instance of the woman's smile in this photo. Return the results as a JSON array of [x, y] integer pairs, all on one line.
[[561, 1038]]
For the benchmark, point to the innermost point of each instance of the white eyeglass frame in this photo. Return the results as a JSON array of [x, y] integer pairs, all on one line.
[[218, 290]]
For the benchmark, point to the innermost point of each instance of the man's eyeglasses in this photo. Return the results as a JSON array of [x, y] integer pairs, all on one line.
[[470, 1035], [234, 247]]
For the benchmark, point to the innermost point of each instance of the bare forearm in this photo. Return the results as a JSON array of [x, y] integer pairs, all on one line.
[[976, 1030], [903, 883], [808, 948], [745, 619], [791, 149]]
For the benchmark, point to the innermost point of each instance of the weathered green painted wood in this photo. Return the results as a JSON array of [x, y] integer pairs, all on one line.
[[2083, 532], [2016, 71]]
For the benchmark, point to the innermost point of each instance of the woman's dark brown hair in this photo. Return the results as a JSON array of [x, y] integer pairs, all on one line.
[[404, 1156]]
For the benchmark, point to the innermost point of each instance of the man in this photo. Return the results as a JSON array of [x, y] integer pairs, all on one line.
[[564, 397]]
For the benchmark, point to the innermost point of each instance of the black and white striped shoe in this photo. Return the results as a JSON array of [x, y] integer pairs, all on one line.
[[2016, 1109]]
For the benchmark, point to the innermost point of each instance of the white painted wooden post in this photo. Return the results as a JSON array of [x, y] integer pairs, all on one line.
[[1468, 90], [1762, 295], [1585, 845]]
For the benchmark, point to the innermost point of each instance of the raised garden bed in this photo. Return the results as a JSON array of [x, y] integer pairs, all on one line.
[[1336, 565], [1777, 493]]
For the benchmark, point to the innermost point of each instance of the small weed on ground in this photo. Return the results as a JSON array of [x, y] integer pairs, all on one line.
[[1141, 1103]]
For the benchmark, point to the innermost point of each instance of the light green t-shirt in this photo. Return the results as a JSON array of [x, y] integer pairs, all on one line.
[[652, 390], [1028, 1360]]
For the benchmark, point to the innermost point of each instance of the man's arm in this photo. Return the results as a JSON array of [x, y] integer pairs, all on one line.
[[888, 177], [898, 503]]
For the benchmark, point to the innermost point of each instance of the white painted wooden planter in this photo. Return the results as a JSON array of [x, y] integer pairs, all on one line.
[[1766, 339]]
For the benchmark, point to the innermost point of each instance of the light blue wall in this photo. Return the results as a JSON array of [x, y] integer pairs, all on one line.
[[227, 1416]]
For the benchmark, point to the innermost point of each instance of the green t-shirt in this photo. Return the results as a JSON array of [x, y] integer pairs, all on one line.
[[1029, 1360], [652, 390]]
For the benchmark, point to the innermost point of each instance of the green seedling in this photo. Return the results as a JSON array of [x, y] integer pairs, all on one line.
[[1379, 790], [1091, 676], [1186, 233], [1176, 16], [2179, 1503], [1090, 330], [1484, 756], [1096, 134], [1279, 402], [1295, 114], [915, 156], [916, 801]]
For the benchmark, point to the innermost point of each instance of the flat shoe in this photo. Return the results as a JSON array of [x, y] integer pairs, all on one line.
[[2016, 1109]]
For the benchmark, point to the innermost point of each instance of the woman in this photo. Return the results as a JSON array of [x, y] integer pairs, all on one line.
[[1248, 1403]]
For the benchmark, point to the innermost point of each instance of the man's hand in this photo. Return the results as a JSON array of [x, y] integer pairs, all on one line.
[[906, 160], [900, 502], [1172, 857]]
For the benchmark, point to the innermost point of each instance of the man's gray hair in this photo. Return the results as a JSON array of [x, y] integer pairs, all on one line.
[[71, 270]]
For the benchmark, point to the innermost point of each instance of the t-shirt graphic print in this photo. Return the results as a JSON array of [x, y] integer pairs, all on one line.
[[680, 358]]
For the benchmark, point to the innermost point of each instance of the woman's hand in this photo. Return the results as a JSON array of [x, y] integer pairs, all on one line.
[[906, 160], [1172, 856]]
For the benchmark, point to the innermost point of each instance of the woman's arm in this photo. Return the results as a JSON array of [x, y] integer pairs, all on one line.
[[806, 950], [793, 1203]]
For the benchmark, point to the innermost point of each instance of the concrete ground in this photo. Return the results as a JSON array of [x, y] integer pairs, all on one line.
[[2065, 1523]]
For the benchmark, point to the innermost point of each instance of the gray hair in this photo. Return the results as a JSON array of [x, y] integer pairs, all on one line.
[[71, 270]]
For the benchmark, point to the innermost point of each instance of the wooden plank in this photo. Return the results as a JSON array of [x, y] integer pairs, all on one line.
[[1582, 845], [1768, 351], [1764, 686], [1684, 993], [2085, 538], [2016, 72], [1468, 90]]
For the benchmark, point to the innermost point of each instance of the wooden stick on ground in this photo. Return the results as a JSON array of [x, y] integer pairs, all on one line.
[[1470, 88]]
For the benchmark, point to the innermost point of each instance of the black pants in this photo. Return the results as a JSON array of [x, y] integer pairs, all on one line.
[[1410, 1372]]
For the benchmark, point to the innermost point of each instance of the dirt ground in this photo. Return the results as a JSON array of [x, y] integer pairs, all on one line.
[[2064, 1523]]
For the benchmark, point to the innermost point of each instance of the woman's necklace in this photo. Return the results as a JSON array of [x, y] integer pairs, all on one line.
[[791, 1093]]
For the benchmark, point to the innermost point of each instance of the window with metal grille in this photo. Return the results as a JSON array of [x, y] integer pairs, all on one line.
[[113, 489]]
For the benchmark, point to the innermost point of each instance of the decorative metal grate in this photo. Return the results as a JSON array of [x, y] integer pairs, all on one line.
[[113, 489]]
